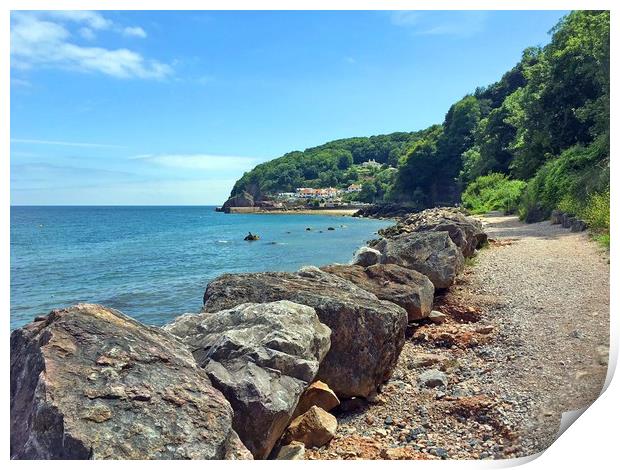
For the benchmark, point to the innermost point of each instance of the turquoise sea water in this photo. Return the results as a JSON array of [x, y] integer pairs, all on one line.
[[153, 263]]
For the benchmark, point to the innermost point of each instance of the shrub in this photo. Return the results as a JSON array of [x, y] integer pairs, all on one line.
[[596, 212], [567, 182], [493, 192]]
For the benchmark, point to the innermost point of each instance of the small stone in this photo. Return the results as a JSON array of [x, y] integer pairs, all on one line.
[[293, 451], [315, 428], [433, 378], [381, 432], [437, 317], [319, 394], [485, 330], [439, 452], [603, 355], [389, 421]]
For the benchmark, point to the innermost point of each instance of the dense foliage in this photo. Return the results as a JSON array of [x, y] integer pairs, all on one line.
[[546, 122], [335, 164], [493, 192]]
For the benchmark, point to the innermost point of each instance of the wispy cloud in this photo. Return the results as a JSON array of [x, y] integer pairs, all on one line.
[[450, 23], [405, 17], [64, 143], [135, 31], [43, 174], [200, 161], [46, 39]]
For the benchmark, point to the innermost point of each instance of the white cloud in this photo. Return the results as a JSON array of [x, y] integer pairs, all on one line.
[[44, 39], [92, 19], [63, 143], [200, 161], [452, 23], [135, 31]]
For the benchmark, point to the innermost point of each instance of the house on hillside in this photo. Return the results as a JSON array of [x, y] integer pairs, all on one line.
[[371, 164]]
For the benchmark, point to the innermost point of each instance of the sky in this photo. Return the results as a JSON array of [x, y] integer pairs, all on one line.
[[170, 108]]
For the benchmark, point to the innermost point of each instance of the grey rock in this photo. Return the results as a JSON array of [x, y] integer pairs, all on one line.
[[88, 382], [466, 232], [293, 451], [367, 333], [430, 253], [261, 357], [556, 217], [437, 317], [405, 287], [433, 378], [366, 256], [578, 225], [568, 220]]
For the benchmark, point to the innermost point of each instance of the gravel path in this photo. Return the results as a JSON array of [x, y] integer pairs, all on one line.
[[552, 290], [526, 339]]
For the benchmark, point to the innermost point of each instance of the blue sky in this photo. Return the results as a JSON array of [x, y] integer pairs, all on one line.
[[172, 107]]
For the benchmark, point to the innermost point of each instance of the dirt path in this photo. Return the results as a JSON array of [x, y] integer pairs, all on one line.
[[524, 341]]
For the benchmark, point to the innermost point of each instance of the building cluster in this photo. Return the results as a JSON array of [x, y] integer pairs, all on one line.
[[320, 193]]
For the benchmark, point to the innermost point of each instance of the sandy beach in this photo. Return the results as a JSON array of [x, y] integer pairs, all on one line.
[[253, 210]]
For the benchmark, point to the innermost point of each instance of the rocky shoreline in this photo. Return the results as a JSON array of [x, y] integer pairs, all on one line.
[[266, 370]]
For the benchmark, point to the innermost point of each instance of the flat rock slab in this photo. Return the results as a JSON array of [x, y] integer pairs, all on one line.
[[88, 382], [261, 357], [367, 333], [430, 253], [405, 287]]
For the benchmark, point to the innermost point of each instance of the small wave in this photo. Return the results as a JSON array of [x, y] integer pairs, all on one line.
[[223, 241]]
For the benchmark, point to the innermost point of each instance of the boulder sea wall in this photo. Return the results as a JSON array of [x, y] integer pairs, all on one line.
[[466, 232], [261, 357], [88, 382], [430, 253], [367, 333], [405, 287]]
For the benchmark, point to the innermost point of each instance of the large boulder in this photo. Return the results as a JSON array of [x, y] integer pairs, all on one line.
[[466, 232], [261, 357], [366, 256], [242, 199], [88, 382], [367, 333], [431, 253], [405, 287]]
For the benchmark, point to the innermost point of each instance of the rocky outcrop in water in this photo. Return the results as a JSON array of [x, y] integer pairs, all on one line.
[[261, 357], [405, 287], [243, 199], [367, 333], [88, 382], [430, 253]]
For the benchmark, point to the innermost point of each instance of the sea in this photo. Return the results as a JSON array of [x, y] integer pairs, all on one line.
[[154, 262]]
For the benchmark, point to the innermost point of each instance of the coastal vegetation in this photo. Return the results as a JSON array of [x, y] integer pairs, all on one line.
[[535, 141]]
